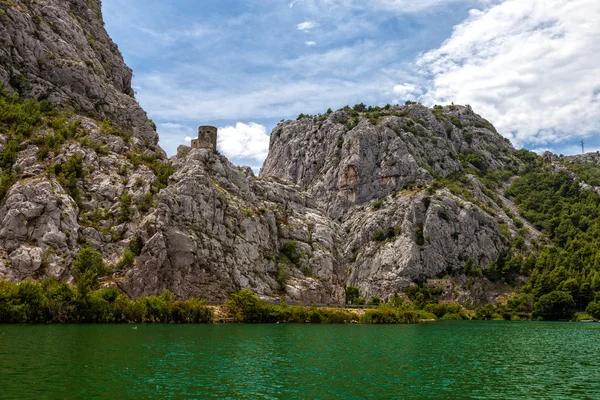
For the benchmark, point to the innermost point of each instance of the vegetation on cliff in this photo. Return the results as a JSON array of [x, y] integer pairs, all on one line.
[[51, 301]]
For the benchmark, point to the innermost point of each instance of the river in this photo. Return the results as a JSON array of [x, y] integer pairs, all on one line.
[[441, 360]]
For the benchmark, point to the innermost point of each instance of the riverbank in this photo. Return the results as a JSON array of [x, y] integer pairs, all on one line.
[[54, 302]]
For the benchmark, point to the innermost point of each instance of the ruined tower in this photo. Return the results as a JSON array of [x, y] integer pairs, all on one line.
[[207, 138]]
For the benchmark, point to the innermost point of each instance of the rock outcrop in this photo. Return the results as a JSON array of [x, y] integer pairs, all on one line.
[[375, 199], [218, 229], [59, 50], [382, 176]]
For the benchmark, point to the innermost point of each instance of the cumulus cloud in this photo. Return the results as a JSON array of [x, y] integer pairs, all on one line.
[[311, 44], [530, 66], [248, 141], [406, 91], [307, 26]]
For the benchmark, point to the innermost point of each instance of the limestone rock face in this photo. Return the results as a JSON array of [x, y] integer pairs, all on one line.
[[217, 229], [382, 178], [346, 160], [59, 50], [39, 226]]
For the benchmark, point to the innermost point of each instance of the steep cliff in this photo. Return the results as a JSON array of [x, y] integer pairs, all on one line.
[[79, 159], [218, 229], [376, 198], [59, 50], [414, 188]]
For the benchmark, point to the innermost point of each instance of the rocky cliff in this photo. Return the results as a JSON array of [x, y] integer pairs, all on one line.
[[371, 197], [79, 157], [405, 184], [59, 50]]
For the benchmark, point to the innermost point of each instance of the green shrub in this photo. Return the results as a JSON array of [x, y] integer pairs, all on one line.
[[452, 316], [388, 315], [554, 306], [456, 122], [593, 309], [374, 301], [52, 301], [146, 203], [439, 310], [352, 295], [291, 252], [125, 203], [127, 259], [377, 205]]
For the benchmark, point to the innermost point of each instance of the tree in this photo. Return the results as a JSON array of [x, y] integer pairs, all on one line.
[[593, 309], [88, 267], [352, 295], [360, 107], [554, 306], [246, 307]]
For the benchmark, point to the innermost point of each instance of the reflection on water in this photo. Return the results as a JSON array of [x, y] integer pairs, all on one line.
[[462, 359]]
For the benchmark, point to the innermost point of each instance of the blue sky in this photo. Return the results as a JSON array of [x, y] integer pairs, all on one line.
[[529, 68]]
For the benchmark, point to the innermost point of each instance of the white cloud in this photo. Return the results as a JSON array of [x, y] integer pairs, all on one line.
[[307, 26], [188, 138], [311, 43], [530, 66], [406, 91], [248, 141], [309, 83]]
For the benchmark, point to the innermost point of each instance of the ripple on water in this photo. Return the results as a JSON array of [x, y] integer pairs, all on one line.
[[457, 359]]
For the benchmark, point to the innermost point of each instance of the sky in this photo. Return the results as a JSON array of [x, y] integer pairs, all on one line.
[[531, 67]]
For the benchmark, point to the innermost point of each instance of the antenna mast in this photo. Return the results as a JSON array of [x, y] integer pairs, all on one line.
[[582, 147]]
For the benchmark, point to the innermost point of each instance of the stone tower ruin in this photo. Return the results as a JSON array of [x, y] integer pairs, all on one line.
[[207, 138]]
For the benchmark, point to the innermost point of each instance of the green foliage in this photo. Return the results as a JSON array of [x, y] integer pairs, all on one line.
[[109, 129], [291, 252], [377, 205], [125, 203], [127, 259], [388, 315], [136, 246], [69, 174], [593, 309], [374, 301], [244, 306], [353, 295], [419, 236], [360, 107], [570, 217], [456, 122], [146, 203], [554, 306], [440, 310], [588, 172], [388, 235], [422, 295], [486, 312], [163, 172], [55, 302], [20, 117], [88, 267]]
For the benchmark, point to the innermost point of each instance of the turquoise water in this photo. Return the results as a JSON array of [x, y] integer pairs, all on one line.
[[442, 360]]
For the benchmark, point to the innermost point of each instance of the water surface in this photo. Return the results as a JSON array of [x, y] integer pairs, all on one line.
[[442, 360]]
